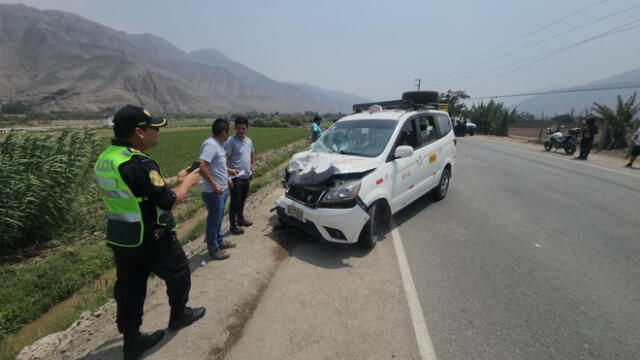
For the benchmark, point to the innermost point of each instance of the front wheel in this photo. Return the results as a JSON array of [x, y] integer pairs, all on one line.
[[471, 132], [547, 145], [372, 232], [443, 187]]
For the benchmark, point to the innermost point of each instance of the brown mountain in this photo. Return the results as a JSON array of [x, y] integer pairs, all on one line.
[[56, 60]]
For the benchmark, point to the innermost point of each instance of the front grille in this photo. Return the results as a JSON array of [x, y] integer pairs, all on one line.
[[306, 195]]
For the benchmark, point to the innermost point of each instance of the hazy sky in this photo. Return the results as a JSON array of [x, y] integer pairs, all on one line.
[[375, 49]]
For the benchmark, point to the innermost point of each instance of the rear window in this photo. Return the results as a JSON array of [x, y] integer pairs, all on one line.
[[444, 124]]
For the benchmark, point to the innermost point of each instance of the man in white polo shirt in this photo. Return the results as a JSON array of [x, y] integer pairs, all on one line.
[[241, 156], [215, 182]]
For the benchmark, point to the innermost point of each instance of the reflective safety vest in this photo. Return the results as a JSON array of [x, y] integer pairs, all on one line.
[[124, 216]]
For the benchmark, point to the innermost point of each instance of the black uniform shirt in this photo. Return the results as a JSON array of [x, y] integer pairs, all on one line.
[[588, 132], [137, 174]]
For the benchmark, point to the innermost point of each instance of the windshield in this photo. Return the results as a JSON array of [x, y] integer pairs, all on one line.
[[356, 137]]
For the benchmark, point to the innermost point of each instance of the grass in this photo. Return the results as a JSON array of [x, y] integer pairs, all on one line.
[[178, 149], [32, 288]]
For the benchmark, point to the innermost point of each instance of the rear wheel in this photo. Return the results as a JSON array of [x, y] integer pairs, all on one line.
[[443, 187], [471, 132], [373, 230], [570, 148], [547, 145]]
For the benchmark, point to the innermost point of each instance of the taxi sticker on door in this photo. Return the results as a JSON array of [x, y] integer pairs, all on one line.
[[432, 158]]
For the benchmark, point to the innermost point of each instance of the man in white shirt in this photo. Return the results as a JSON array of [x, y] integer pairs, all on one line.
[[215, 182], [241, 156]]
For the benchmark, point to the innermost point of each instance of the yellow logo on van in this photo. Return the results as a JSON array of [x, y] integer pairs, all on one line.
[[432, 158], [443, 107]]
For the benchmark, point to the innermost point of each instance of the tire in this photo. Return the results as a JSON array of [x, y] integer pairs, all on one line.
[[548, 146], [471, 132], [372, 232], [570, 148], [443, 186], [280, 223], [421, 97]]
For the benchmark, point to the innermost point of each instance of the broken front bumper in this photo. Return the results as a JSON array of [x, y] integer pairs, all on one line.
[[330, 224]]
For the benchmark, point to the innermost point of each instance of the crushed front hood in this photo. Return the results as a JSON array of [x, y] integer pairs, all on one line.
[[307, 160]]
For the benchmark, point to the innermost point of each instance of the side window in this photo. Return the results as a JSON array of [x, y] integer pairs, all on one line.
[[427, 128], [408, 134], [444, 124]]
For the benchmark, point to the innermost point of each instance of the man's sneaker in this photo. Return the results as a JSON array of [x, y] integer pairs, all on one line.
[[186, 318], [236, 230], [628, 165], [244, 222], [218, 254], [134, 348], [227, 245]]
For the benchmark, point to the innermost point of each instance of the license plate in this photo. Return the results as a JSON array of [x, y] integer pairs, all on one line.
[[294, 212]]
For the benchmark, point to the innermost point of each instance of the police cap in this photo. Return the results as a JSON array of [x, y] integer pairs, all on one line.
[[131, 116]]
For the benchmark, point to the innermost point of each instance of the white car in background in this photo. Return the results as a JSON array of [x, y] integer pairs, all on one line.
[[368, 166], [471, 127]]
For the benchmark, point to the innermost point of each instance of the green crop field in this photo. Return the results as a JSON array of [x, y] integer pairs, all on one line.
[[178, 149]]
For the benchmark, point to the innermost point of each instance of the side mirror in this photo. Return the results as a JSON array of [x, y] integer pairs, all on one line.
[[403, 151]]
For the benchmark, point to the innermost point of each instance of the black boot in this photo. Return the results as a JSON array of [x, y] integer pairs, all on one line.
[[235, 230], [185, 318], [244, 222], [135, 344]]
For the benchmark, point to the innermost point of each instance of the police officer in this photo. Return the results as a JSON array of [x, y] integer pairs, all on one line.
[[140, 227], [588, 132]]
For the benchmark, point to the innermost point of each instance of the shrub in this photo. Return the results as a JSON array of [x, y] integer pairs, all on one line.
[[15, 108], [295, 122], [43, 184]]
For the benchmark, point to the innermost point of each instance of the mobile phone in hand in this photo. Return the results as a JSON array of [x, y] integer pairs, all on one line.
[[195, 165]]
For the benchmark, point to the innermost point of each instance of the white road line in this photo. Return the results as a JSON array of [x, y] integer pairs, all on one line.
[[576, 162], [425, 347]]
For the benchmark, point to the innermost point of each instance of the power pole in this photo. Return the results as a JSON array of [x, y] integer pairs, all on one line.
[[418, 83]]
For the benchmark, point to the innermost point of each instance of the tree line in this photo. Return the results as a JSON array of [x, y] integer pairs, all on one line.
[[494, 118]]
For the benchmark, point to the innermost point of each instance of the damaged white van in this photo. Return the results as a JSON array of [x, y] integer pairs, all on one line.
[[367, 166]]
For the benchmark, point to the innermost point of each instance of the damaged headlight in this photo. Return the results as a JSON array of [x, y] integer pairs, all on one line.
[[342, 192]]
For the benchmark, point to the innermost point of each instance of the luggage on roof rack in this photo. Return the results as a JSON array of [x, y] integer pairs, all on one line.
[[413, 100]]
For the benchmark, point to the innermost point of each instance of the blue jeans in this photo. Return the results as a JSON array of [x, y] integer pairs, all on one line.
[[213, 228]]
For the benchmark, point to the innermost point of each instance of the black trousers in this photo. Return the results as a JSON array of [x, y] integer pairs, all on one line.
[[239, 194], [585, 147], [163, 257]]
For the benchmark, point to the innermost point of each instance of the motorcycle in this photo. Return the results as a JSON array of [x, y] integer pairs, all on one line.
[[557, 140]]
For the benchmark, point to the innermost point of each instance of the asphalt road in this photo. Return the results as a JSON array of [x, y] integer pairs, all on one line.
[[532, 255]]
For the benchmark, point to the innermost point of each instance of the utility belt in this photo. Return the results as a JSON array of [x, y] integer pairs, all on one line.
[[164, 237]]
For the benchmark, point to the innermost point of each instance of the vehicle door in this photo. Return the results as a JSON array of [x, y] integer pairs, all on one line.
[[446, 145], [428, 151], [405, 170]]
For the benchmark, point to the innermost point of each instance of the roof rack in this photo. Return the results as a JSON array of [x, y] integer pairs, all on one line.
[[395, 104]]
